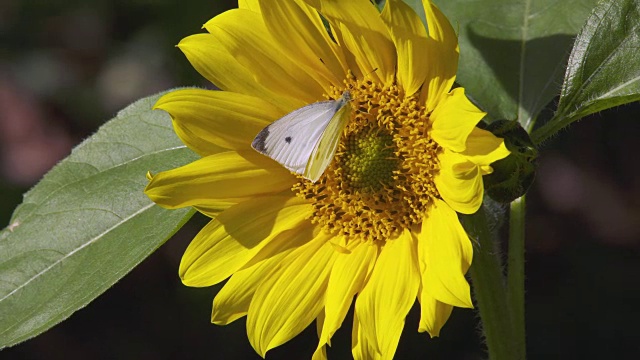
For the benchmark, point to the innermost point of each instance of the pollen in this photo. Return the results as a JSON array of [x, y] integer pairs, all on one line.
[[381, 180]]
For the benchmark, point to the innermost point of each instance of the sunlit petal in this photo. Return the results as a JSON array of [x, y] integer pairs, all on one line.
[[389, 294], [411, 40], [228, 242], [289, 300], [446, 250]]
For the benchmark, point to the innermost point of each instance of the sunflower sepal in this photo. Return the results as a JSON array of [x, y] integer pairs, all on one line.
[[512, 176]]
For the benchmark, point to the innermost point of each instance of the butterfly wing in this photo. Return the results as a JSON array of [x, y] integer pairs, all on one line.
[[291, 139], [325, 150]]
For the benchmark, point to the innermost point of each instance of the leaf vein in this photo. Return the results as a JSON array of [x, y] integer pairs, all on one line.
[[62, 187], [74, 251], [523, 49], [603, 65]]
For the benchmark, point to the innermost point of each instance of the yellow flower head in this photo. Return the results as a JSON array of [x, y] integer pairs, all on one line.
[[381, 222]]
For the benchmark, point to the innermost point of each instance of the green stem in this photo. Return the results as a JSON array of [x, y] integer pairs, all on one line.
[[491, 294], [515, 276], [547, 130]]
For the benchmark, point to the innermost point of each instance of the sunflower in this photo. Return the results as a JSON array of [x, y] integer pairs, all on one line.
[[381, 223]]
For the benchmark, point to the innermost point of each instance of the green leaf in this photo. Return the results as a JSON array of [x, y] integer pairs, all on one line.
[[513, 52], [87, 223], [604, 66]]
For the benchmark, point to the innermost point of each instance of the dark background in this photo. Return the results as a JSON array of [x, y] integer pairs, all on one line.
[[67, 67]]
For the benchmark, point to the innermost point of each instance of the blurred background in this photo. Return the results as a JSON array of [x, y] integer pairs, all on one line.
[[66, 67]]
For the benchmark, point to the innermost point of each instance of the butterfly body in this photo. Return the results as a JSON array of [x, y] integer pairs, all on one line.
[[305, 140]]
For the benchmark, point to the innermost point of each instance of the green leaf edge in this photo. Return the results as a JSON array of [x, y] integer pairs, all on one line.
[[568, 112], [184, 215]]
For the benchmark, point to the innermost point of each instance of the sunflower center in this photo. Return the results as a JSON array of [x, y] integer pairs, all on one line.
[[382, 178], [368, 160]]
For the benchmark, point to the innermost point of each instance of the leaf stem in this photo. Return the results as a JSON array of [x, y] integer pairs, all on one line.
[[515, 275], [547, 130]]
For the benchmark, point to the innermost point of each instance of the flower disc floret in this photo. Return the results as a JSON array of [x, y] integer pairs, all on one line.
[[382, 179]]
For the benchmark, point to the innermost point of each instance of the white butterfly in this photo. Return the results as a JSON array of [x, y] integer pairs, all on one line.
[[305, 140]]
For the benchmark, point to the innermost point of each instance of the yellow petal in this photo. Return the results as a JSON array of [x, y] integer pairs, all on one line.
[[206, 120], [445, 248], [285, 241], [410, 39], [215, 209], [459, 182], [292, 297], [443, 52], [252, 5], [219, 179], [364, 35], [232, 301], [320, 353], [229, 241], [347, 278], [389, 294], [320, 322], [361, 347], [483, 147], [220, 67], [486, 170], [453, 120], [300, 28], [433, 313], [244, 35], [314, 3]]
